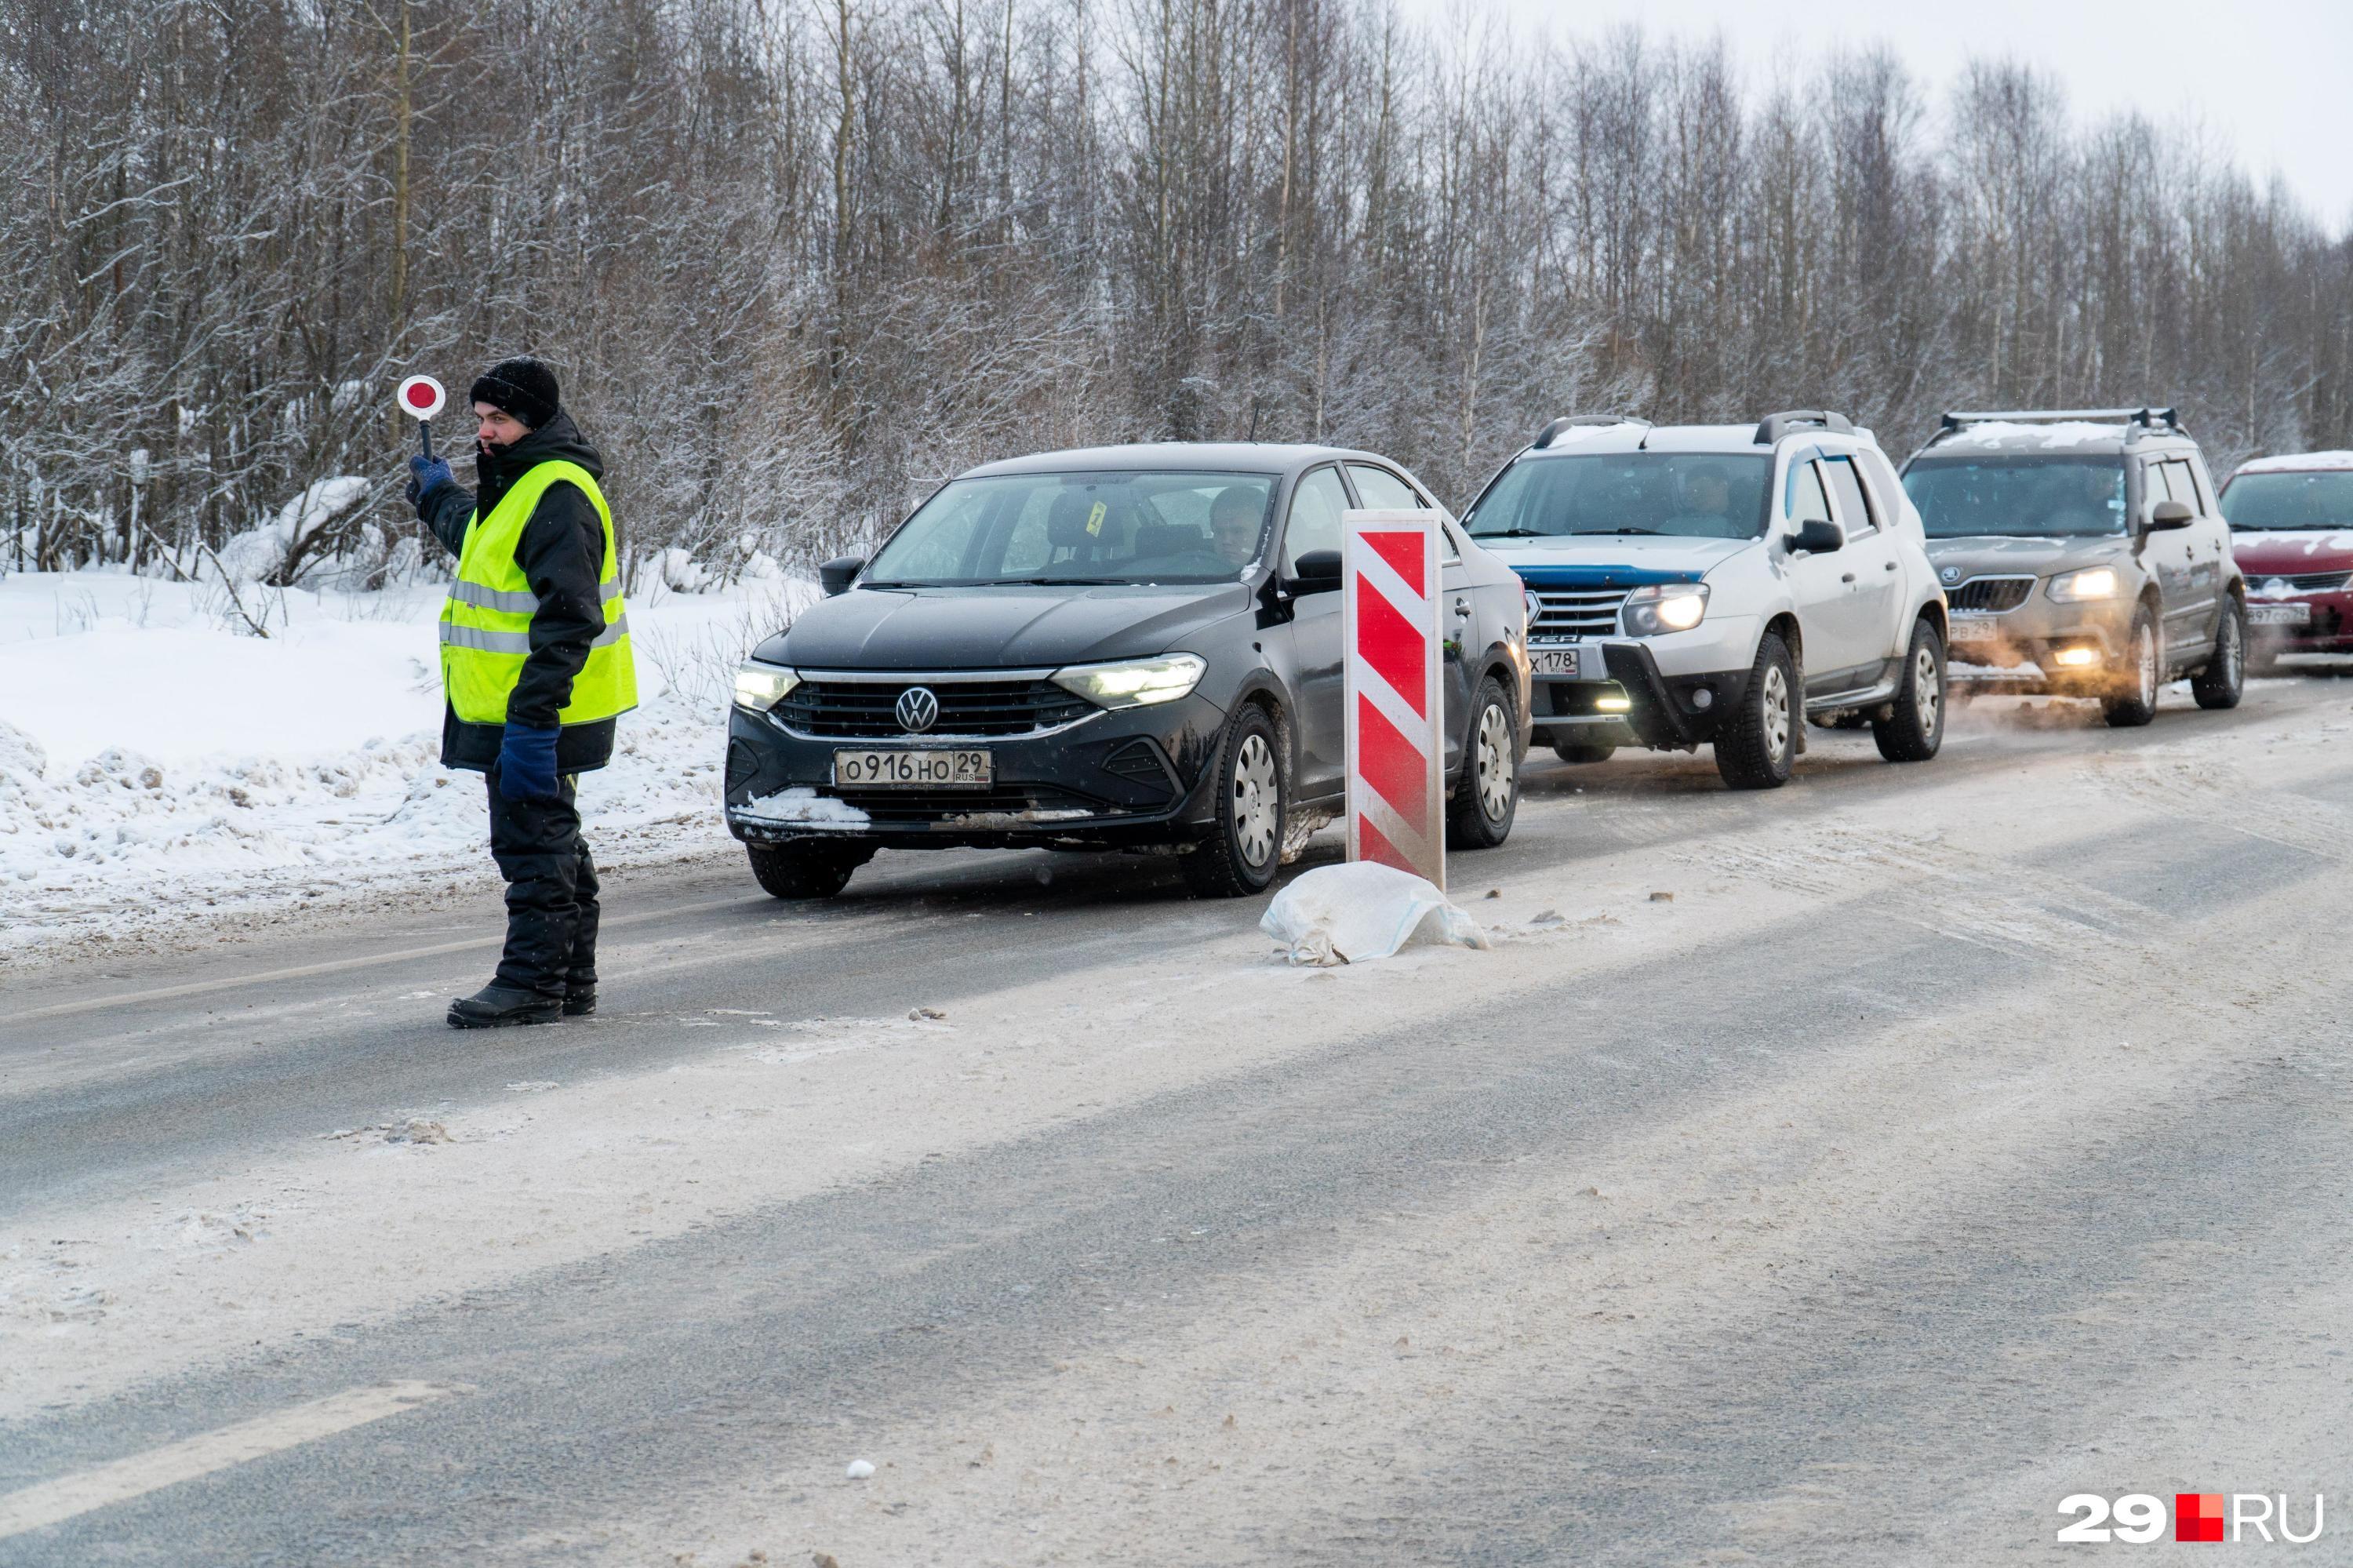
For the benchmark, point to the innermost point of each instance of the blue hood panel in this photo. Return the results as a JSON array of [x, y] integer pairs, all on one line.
[[1599, 575]]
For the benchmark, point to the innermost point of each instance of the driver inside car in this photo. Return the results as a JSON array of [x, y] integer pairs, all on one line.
[[1707, 504], [1234, 519]]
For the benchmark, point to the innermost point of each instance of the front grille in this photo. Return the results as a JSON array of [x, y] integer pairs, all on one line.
[[1989, 596], [853, 710], [2319, 582], [1576, 612], [929, 807]]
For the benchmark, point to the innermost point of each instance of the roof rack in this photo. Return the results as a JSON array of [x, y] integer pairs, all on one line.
[[1552, 432], [1775, 426], [2145, 420]]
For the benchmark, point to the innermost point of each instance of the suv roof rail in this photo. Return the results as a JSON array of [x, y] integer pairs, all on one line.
[[2147, 420], [1775, 426], [1551, 432]]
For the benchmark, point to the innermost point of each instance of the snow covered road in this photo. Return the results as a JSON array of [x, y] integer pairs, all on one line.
[[1953, 1139]]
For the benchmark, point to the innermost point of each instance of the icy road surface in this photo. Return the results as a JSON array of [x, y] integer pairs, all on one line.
[[1954, 1139]]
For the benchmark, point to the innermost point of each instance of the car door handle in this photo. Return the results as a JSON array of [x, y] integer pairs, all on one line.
[[1887, 566], [1462, 607], [1847, 577]]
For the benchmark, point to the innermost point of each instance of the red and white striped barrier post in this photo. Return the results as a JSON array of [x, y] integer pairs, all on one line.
[[1389, 605]]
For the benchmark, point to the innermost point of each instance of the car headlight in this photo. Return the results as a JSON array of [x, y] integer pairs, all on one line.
[[1665, 607], [1135, 682], [759, 687], [2092, 582]]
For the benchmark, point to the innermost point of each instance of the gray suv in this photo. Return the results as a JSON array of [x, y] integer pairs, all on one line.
[[2081, 555]]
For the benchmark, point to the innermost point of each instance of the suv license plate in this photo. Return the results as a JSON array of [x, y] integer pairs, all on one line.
[[1557, 662], [965, 769], [2279, 614]]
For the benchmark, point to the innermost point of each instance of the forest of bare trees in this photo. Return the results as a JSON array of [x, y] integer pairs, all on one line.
[[798, 260]]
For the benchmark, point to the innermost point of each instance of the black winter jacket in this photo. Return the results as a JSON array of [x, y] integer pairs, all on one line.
[[563, 557]]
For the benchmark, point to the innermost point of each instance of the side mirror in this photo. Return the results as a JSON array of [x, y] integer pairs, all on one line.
[[2168, 514], [1317, 571], [835, 575], [1818, 537]]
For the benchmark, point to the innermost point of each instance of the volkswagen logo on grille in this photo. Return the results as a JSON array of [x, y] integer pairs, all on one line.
[[1951, 574], [919, 709]]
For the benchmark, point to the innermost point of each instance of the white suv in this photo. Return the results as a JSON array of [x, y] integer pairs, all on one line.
[[1716, 583]]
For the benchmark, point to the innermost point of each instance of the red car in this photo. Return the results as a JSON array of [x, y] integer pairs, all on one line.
[[2292, 532]]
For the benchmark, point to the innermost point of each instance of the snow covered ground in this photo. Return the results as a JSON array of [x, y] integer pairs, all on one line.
[[158, 757]]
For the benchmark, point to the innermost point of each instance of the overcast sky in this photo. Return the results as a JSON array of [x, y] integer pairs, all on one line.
[[2272, 78]]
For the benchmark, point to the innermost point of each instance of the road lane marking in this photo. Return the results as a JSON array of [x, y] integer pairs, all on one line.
[[53, 1502]]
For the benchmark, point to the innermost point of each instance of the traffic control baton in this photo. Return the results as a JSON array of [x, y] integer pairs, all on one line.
[[421, 398]]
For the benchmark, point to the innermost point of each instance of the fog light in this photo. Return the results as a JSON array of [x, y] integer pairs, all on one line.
[[2076, 658], [1613, 704], [1702, 698]]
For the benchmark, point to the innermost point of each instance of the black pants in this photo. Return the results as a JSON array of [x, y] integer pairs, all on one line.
[[551, 891]]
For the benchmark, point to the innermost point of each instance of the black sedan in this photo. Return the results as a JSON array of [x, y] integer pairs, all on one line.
[[1127, 647]]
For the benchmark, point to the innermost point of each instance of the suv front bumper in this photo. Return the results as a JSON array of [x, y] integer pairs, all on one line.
[[1664, 712], [1116, 778], [2043, 648]]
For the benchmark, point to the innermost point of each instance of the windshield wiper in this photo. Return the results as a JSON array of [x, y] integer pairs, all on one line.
[[1624, 530], [1514, 533], [1063, 582]]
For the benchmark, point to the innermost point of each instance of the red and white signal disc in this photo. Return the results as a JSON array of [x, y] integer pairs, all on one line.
[[421, 397]]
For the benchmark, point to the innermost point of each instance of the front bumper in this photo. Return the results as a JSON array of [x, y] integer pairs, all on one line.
[[2020, 651], [2327, 629], [1661, 711], [1115, 778]]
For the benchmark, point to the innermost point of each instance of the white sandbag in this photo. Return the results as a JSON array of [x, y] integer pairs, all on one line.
[[1348, 913]]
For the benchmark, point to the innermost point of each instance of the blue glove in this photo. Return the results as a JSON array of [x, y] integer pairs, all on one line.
[[426, 476], [527, 763]]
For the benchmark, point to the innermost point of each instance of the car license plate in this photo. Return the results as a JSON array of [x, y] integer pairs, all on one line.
[[1558, 661], [2279, 614], [963, 769], [1968, 629]]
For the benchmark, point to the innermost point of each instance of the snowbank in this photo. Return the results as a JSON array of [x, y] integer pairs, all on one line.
[[154, 754], [1354, 913]]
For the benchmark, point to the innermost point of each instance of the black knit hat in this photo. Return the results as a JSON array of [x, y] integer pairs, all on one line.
[[523, 386]]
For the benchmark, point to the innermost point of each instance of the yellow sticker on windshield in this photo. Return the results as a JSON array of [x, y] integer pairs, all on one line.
[[1095, 519]]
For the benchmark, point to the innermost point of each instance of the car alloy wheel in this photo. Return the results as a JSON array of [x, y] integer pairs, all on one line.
[[2145, 666], [1493, 761], [1776, 706], [1256, 807]]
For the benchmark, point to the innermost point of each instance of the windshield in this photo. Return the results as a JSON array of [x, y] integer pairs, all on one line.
[[1699, 495], [2033, 497], [2290, 501], [1080, 528]]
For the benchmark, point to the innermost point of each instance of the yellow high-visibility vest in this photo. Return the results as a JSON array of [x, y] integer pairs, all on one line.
[[486, 620]]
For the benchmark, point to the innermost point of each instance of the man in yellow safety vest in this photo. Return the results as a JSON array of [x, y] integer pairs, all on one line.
[[537, 666]]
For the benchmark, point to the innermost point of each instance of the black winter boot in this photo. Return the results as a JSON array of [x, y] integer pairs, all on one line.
[[496, 1006], [580, 1001]]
